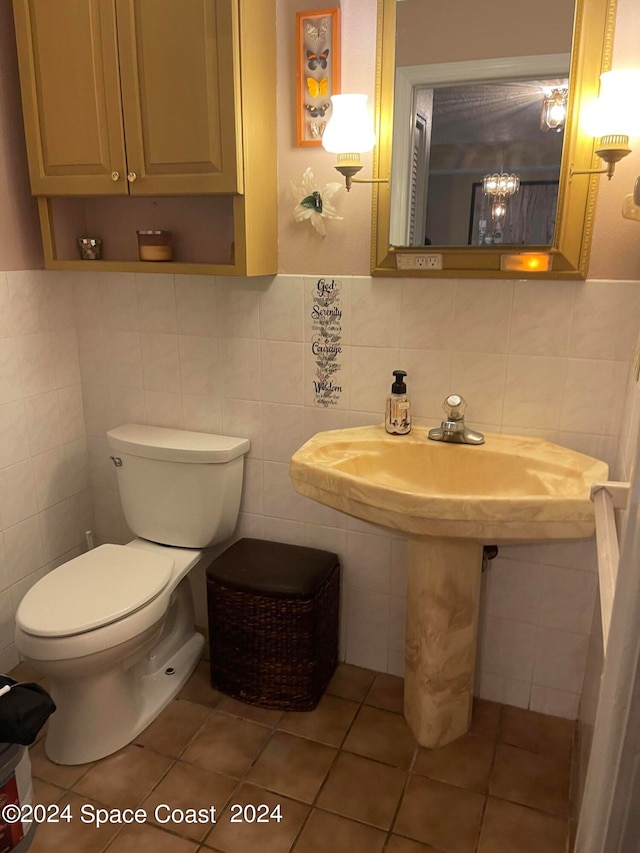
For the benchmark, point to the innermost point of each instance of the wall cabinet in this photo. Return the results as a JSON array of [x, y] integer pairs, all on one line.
[[143, 114]]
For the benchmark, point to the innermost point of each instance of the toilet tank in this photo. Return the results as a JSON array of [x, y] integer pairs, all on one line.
[[177, 487]]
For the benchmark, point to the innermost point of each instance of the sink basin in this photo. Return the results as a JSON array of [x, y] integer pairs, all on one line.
[[509, 489], [448, 499]]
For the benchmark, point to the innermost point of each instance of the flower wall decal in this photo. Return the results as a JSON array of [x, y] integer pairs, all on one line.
[[313, 204]]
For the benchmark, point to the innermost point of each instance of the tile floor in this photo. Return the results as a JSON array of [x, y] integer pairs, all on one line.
[[348, 777]]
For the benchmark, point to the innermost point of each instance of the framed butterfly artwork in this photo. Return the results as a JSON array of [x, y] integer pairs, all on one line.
[[317, 71]]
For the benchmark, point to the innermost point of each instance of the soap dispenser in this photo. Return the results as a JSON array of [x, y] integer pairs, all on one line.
[[398, 415]]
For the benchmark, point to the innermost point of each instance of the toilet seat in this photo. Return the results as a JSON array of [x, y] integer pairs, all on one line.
[[93, 590]]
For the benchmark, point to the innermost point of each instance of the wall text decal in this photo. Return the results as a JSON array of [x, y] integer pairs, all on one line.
[[326, 341]]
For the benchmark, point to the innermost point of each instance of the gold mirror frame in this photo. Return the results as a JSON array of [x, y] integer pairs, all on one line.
[[569, 255]]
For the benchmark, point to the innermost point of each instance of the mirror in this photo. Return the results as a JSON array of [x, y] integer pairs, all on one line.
[[456, 102]]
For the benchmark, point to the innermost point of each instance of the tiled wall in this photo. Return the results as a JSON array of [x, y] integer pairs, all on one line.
[[550, 358], [45, 505]]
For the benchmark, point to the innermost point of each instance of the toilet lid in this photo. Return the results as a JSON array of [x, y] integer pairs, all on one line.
[[99, 587]]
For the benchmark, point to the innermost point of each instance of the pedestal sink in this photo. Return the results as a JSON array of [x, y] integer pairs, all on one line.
[[450, 500]]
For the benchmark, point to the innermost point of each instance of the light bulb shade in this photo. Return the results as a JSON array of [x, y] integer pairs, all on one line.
[[616, 112], [350, 128]]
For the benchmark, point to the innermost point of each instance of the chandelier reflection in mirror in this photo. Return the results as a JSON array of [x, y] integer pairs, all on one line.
[[499, 187]]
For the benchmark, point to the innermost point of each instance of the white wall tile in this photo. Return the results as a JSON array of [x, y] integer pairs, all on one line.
[[282, 372], [560, 659], [241, 374], [283, 431], [202, 413], [375, 312], [513, 589], [594, 396], [18, 498], [43, 422], [541, 319], [534, 391], [239, 307], [368, 562], [164, 408], [507, 648], [37, 368], [567, 599], [196, 305], [64, 350], [125, 359], [281, 309], [156, 301], [604, 322], [426, 316], [428, 380], [243, 419], [119, 303], [10, 383], [200, 368], [479, 378], [482, 316], [371, 377], [557, 703], [160, 362]]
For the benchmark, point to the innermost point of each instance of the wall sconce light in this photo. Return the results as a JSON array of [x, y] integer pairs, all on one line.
[[554, 110], [613, 118], [349, 133]]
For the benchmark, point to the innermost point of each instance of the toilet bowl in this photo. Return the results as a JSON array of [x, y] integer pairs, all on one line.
[[113, 629]]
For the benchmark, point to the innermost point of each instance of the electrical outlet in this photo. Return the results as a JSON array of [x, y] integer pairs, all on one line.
[[428, 262]]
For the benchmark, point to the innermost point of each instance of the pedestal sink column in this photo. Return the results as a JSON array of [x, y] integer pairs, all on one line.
[[443, 597]]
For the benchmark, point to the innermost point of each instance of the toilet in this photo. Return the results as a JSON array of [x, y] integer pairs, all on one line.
[[113, 629]]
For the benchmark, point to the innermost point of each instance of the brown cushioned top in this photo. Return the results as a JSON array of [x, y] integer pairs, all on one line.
[[272, 568]]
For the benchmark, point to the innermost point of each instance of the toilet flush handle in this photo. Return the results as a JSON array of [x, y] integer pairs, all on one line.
[[116, 461]]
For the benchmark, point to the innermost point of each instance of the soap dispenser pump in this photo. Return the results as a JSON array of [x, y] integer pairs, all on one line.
[[398, 414]]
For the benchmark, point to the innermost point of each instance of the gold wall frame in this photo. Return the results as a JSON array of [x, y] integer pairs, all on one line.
[[569, 254]]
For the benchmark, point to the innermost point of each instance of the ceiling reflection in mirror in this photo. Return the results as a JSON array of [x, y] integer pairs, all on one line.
[[469, 107]]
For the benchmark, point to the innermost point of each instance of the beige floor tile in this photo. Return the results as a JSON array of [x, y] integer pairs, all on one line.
[[397, 844], [448, 818], [25, 672], [198, 688], [383, 736], [509, 828], [63, 775], [530, 779], [466, 762], [265, 716], [189, 787], [351, 682], [247, 836], [362, 789], [44, 793], [485, 718], [173, 729], [142, 838], [324, 832], [125, 778], [226, 745], [387, 692], [292, 766], [328, 723], [537, 732], [73, 835]]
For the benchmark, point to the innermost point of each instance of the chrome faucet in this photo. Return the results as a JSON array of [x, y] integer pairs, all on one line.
[[453, 427]]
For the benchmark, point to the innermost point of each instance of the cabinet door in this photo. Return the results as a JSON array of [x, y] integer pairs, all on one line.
[[179, 76], [67, 52]]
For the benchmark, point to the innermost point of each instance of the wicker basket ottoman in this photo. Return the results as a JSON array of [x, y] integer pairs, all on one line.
[[273, 623]]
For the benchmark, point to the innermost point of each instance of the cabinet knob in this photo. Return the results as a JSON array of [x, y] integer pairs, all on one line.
[[131, 176], [115, 176]]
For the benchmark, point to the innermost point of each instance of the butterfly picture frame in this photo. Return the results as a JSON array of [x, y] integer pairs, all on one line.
[[317, 71]]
